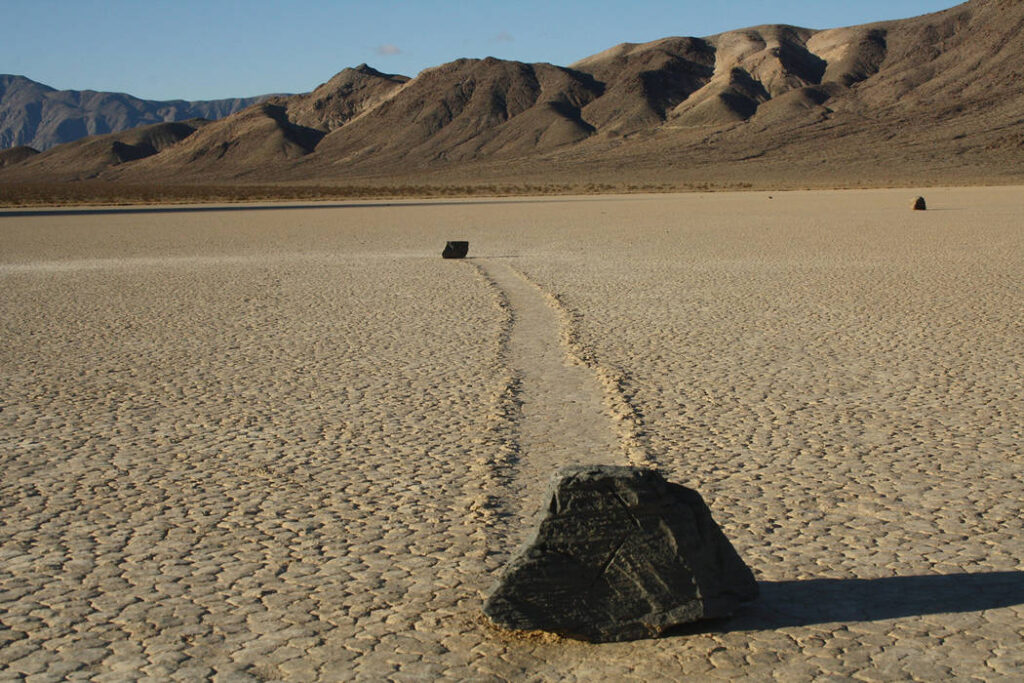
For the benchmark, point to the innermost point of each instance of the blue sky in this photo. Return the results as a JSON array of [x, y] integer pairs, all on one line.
[[206, 49]]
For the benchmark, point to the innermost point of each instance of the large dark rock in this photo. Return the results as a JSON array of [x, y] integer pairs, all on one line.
[[920, 204], [455, 249], [621, 554]]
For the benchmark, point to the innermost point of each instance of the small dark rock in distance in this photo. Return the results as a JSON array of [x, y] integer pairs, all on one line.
[[919, 204], [455, 249], [621, 554]]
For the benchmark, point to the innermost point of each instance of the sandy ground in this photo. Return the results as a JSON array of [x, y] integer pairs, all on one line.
[[296, 444]]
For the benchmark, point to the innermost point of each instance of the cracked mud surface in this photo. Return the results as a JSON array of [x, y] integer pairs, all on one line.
[[298, 445]]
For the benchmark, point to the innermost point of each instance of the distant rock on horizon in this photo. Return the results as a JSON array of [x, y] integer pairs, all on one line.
[[36, 115]]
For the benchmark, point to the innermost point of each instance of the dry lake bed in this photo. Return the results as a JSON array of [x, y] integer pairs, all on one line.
[[270, 442]]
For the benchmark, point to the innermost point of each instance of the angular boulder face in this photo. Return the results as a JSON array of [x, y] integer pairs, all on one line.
[[920, 204], [621, 554], [455, 249]]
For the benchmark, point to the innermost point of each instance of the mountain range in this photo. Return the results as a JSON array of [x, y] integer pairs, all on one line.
[[35, 115], [935, 97]]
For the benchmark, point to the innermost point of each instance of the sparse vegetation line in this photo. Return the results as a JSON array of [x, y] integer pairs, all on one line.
[[114, 194]]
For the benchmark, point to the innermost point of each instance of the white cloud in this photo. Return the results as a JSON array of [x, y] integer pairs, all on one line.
[[388, 50]]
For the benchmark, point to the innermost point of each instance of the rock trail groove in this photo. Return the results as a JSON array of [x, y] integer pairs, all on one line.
[[562, 418]]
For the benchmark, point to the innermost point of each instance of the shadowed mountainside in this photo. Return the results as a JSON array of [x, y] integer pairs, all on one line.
[[86, 158], [939, 95], [16, 155], [273, 133]]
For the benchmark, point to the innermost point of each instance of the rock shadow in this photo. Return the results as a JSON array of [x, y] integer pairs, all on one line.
[[824, 601]]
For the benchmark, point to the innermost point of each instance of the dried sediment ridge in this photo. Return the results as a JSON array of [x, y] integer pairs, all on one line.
[[560, 414]]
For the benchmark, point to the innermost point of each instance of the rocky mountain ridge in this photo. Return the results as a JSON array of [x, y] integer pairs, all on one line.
[[35, 115], [940, 91]]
